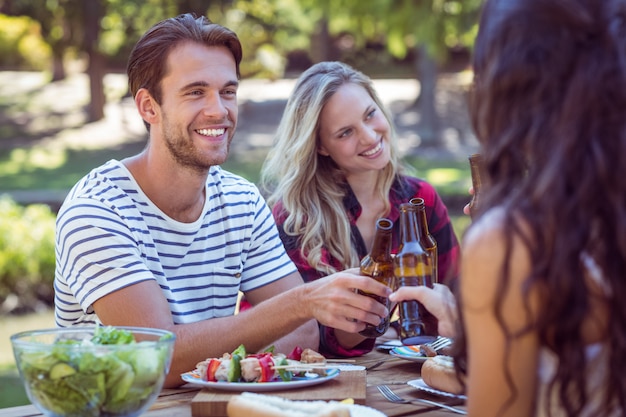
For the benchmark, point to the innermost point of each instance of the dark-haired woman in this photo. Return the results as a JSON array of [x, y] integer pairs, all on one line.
[[543, 279]]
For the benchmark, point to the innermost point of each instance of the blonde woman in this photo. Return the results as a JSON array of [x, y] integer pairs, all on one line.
[[332, 172]]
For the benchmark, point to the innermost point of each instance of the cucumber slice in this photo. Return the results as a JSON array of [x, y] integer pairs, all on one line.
[[61, 370], [234, 372], [284, 374]]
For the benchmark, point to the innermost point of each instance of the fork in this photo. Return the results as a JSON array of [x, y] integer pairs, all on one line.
[[394, 398], [440, 343], [437, 344]]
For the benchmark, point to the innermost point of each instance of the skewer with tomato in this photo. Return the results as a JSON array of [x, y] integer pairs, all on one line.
[[258, 367]]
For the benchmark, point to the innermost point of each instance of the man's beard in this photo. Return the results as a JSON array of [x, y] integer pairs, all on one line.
[[185, 152]]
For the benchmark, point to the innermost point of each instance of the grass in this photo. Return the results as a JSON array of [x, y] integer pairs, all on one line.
[[12, 393], [11, 388], [449, 176], [33, 169], [39, 169]]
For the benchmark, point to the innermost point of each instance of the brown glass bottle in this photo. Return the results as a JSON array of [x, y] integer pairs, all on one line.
[[413, 267], [428, 241], [476, 169], [378, 264]]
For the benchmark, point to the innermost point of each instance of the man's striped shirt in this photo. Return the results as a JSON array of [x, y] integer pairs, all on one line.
[[109, 235]]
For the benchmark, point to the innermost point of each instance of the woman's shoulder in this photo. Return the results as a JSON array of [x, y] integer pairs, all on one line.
[[490, 241], [485, 229], [496, 225]]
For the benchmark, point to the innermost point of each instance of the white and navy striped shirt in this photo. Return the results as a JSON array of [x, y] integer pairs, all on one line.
[[109, 235]]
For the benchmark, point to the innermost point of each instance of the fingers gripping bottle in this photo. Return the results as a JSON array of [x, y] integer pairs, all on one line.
[[378, 264], [412, 267]]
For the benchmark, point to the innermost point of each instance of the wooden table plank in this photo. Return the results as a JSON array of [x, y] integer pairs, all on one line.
[[349, 384]]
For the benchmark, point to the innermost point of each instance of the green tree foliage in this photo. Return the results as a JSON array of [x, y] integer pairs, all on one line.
[[428, 28], [21, 44], [124, 21], [26, 256], [268, 30], [437, 24], [60, 25]]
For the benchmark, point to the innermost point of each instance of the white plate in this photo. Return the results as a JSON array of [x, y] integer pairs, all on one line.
[[193, 377], [388, 345], [410, 353], [363, 411], [421, 385], [348, 367]]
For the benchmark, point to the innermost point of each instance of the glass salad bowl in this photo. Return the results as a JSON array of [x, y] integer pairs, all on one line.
[[93, 371]]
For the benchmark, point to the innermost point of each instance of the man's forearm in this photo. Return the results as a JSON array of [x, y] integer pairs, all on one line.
[[305, 336]]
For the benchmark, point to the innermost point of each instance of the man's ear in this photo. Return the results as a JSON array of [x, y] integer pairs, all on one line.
[[147, 106]]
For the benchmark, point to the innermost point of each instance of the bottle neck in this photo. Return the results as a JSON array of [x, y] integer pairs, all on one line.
[[476, 167], [476, 180], [381, 248], [422, 220], [409, 230], [423, 223]]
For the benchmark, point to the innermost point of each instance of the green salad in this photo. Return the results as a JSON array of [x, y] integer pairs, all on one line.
[[85, 378]]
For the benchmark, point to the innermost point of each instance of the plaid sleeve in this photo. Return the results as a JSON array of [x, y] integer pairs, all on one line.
[[329, 345]]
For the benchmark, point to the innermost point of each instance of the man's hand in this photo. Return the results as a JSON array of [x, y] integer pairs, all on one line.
[[334, 301]]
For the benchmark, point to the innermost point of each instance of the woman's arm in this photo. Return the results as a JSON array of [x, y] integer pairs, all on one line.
[[439, 300]]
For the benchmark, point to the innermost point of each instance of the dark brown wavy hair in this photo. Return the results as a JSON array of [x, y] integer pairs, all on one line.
[[549, 108], [146, 64]]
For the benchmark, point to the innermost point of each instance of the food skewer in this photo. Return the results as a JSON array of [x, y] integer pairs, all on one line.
[[301, 367], [312, 365]]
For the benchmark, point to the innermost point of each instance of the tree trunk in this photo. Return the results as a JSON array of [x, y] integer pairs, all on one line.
[[429, 125], [58, 69], [95, 70], [320, 44]]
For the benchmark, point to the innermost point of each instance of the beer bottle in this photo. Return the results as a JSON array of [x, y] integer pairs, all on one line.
[[413, 267], [476, 168], [378, 264], [428, 241]]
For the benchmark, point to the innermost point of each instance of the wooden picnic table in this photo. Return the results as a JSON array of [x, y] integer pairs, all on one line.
[[392, 371]]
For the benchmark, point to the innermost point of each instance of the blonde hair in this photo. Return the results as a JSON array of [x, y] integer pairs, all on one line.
[[311, 186]]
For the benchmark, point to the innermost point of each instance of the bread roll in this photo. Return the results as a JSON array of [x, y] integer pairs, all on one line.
[[438, 372], [249, 404]]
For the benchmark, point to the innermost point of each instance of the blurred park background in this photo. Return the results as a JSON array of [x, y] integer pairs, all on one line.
[[65, 108]]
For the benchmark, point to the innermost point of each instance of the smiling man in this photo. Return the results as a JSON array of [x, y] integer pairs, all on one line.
[[167, 239]]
